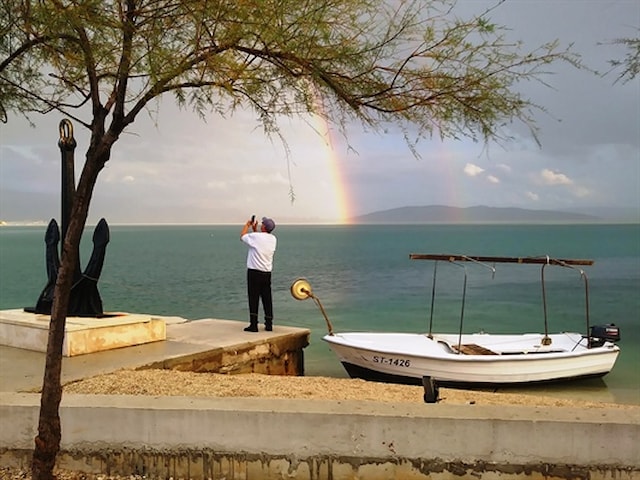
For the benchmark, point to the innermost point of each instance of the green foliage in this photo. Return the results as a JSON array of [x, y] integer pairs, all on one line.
[[629, 67], [407, 62]]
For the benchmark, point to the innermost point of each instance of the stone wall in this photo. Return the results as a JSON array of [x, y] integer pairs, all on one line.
[[282, 355], [265, 439]]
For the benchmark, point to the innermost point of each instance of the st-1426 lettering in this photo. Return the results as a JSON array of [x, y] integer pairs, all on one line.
[[398, 362]]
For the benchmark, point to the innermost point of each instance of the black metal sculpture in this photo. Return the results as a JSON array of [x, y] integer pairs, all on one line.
[[85, 299]]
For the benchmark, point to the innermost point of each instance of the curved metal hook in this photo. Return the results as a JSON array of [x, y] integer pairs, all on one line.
[[490, 267], [66, 134]]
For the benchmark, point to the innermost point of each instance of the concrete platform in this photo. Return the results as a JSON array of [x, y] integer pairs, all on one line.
[[83, 335], [200, 345], [266, 439]]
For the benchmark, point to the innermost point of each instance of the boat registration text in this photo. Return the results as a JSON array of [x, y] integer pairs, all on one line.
[[398, 362]]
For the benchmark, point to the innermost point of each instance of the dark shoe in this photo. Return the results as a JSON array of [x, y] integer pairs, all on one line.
[[251, 328], [268, 327]]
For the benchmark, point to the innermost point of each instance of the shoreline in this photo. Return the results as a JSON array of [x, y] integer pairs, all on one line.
[[151, 382]]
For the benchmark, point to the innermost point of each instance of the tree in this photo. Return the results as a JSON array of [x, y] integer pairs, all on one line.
[[630, 65], [103, 62]]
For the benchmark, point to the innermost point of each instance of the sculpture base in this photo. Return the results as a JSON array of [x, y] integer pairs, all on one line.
[[30, 331]]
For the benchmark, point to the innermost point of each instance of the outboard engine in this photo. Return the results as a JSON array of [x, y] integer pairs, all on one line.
[[599, 334]]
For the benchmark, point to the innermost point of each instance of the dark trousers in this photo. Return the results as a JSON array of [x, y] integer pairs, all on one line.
[[259, 288]]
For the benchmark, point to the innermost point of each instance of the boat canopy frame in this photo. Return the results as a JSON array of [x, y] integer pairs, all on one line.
[[457, 259]]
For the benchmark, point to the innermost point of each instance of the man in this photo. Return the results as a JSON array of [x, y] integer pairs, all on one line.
[[262, 246]]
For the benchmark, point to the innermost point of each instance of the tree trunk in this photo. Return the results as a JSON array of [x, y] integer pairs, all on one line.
[[47, 442]]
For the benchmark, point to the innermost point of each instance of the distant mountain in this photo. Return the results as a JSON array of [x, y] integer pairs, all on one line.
[[614, 214], [479, 214]]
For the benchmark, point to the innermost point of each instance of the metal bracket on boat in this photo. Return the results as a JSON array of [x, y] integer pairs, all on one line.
[[539, 260], [454, 261], [301, 290], [567, 264]]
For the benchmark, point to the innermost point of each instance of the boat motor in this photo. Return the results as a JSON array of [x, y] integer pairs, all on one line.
[[599, 334]]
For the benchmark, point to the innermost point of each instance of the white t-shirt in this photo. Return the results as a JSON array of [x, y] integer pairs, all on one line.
[[262, 247]]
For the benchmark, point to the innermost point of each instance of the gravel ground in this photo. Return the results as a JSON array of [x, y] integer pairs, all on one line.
[[175, 383], [171, 382]]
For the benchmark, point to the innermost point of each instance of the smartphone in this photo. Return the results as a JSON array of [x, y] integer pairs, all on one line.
[[253, 219]]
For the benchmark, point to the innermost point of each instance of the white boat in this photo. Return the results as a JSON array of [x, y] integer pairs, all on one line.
[[477, 358]]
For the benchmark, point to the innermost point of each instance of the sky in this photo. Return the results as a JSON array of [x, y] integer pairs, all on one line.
[[178, 169]]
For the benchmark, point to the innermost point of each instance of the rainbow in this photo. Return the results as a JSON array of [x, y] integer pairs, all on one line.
[[341, 192], [441, 174], [454, 193]]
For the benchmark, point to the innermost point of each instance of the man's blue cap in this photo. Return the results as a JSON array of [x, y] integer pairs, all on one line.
[[269, 224]]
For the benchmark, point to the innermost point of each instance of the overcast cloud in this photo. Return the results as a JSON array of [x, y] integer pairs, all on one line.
[[182, 170]]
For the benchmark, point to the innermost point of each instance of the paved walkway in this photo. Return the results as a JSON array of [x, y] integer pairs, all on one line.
[[23, 370]]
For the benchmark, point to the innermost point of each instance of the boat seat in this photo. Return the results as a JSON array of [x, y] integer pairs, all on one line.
[[473, 349]]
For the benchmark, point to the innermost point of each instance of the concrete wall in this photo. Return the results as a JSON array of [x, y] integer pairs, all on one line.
[[251, 439]]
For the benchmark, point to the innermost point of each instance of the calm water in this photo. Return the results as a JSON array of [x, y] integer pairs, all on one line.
[[365, 281]]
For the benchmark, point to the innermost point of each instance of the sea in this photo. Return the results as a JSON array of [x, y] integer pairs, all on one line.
[[364, 279]]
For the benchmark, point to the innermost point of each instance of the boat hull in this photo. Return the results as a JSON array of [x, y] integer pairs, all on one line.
[[504, 359]]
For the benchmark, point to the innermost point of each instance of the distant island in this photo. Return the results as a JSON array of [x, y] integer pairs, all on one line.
[[477, 214]]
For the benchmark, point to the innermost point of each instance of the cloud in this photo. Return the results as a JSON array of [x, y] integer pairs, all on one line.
[[472, 170], [217, 185], [581, 192], [549, 177], [267, 179], [532, 196], [493, 179]]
